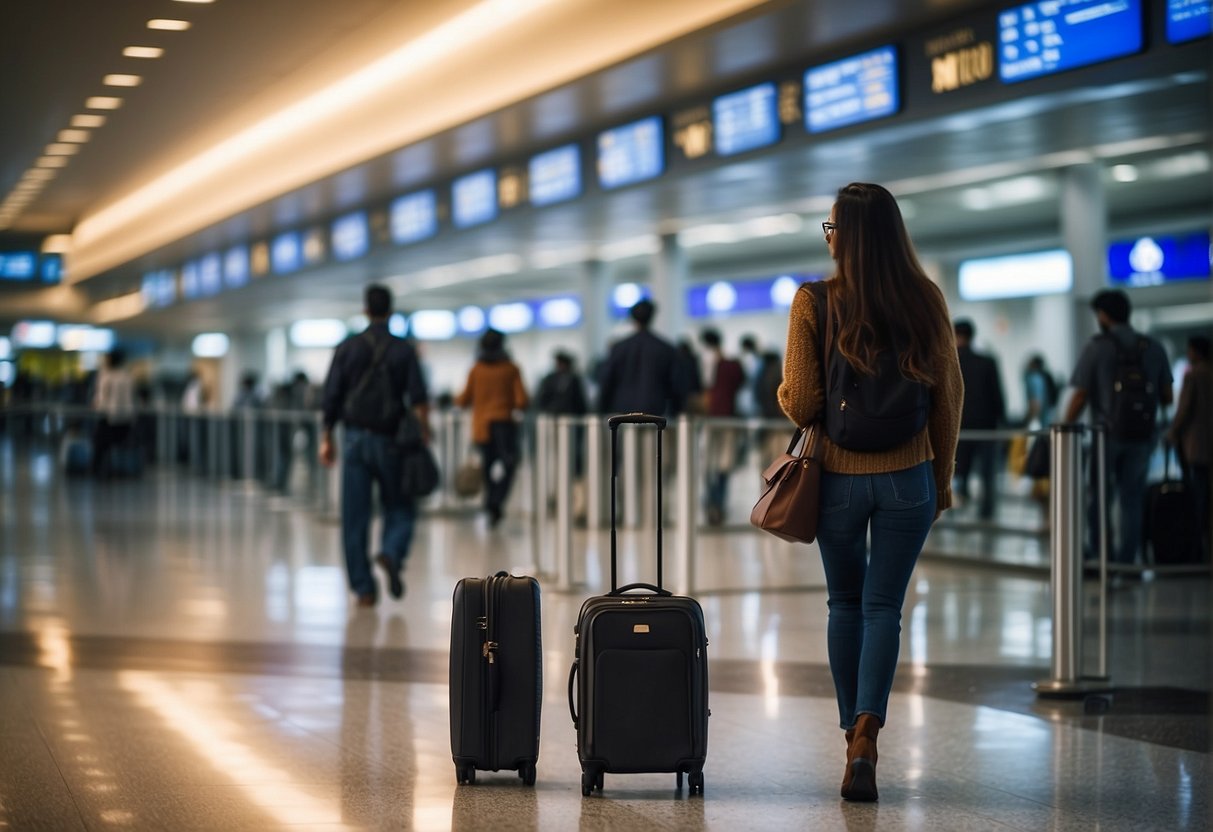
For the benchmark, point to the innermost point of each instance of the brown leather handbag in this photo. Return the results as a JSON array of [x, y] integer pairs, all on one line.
[[790, 503]]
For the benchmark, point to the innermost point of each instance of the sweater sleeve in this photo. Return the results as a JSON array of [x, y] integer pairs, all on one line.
[[943, 423], [521, 399], [800, 393]]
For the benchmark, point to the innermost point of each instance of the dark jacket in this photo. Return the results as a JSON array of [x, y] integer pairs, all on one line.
[[561, 392], [642, 373], [351, 360], [984, 406]]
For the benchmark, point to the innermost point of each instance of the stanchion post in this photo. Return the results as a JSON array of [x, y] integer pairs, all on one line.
[[1066, 515], [593, 473], [564, 503], [687, 477]]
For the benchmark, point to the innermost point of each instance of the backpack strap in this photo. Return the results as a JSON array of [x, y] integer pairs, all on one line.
[[825, 333]]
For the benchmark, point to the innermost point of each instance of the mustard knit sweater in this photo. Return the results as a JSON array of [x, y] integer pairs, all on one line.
[[802, 399]]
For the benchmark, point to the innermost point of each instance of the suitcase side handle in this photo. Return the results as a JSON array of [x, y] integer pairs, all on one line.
[[636, 419], [656, 590], [572, 704]]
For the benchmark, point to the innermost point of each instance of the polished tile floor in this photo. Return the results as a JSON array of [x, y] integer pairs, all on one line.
[[177, 653]]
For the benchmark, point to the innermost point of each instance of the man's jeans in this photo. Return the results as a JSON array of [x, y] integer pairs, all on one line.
[[866, 593], [372, 457], [1127, 465]]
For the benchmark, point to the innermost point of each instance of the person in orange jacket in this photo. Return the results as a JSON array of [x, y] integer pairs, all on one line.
[[494, 391]]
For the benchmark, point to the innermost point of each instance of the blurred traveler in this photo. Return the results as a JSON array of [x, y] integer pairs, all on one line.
[[371, 377], [692, 376], [494, 391], [1041, 389], [247, 395], [751, 359], [643, 372], [984, 409], [194, 397], [720, 443], [1123, 375], [1190, 430], [888, 316], [766, 397], [562, 393], [114, 401]]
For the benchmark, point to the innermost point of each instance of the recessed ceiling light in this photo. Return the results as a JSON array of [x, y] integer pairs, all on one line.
[[120, 80], [103, 102], [62, 149], [143, 51], [77, 136], [43, 173], [164, 25], [85, 120], [1124, 173], [52, 161]]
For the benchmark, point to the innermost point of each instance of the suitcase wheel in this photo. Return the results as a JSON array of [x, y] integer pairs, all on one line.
[[527, 773], [465, 774], [695, 780], [591, 780]]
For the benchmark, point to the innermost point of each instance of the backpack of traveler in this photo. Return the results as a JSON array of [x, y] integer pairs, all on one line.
[[373, 403], [867, 412], [1134, 395]]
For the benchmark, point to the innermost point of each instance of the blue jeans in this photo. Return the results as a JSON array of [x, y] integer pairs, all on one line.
[[866, 591], [369, 457], [1127, 464]]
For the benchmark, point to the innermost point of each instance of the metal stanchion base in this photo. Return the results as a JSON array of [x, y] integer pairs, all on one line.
[[1076, 688]]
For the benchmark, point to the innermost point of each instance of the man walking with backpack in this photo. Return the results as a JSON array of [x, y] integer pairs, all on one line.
[[371, 375], [1124, 375]]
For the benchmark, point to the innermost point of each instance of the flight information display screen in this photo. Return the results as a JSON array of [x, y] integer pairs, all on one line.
[[1188, 20], [52, 268], [18, 265], [555, 175], [414, 217], [631, 153], [286, 253], [236, 267], [474, 198], [850, 91], [746, 120], [1055, 35], [210, 275], [350, 236]]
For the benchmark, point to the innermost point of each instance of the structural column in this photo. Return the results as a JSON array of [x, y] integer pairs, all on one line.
[[670, 277], [1084, 231]]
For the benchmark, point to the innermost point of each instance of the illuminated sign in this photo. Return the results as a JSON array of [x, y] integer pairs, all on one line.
[[555, 175], [853, 90], [474, 199], [1188, 20], [210, 275], [51, 268], [414, 217], [351, 236], [631, 153], [1054, 35], [1152, 261], [733, 297], [159, 288], [236, 267], [286, 253], [746, 120], [18, 265], [1017, 275], [958, 59]]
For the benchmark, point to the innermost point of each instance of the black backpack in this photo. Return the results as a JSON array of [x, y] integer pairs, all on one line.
[[1134, 395], [373, 402], [867, 412]]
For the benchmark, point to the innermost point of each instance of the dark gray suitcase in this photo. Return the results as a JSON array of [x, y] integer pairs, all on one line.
[[496, 676], [638, 688], [1171, 526]]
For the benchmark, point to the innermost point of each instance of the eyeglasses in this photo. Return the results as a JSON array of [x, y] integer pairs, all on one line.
[[828, 228]]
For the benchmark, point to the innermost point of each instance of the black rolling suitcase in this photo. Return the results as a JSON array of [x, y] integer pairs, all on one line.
[[496, 681], [638, 688], [1170, 529]]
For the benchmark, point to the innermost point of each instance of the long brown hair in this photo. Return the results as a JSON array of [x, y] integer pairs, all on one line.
[[882, 298]]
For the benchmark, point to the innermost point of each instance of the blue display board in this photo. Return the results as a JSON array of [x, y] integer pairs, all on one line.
[[555, 175], [746, 120], [236, 267], [474, 198], [210, 275], [51, 268], [18, 265], [1054, 35], [350, 236], [286, 253], [1152, 261], [632, 153], [852, 90], [159, 288], [1188, 20], [414, 217]]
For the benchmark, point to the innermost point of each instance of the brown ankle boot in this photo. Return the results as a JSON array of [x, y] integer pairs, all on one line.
[[846, 774], [861, 761]]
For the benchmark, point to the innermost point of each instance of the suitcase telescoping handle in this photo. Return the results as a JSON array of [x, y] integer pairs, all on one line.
[[613, 423]]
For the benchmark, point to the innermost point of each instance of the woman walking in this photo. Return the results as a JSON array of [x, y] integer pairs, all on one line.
[[880, 303]]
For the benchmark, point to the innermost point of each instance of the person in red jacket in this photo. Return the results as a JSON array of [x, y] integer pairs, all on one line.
[[720, 457]]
